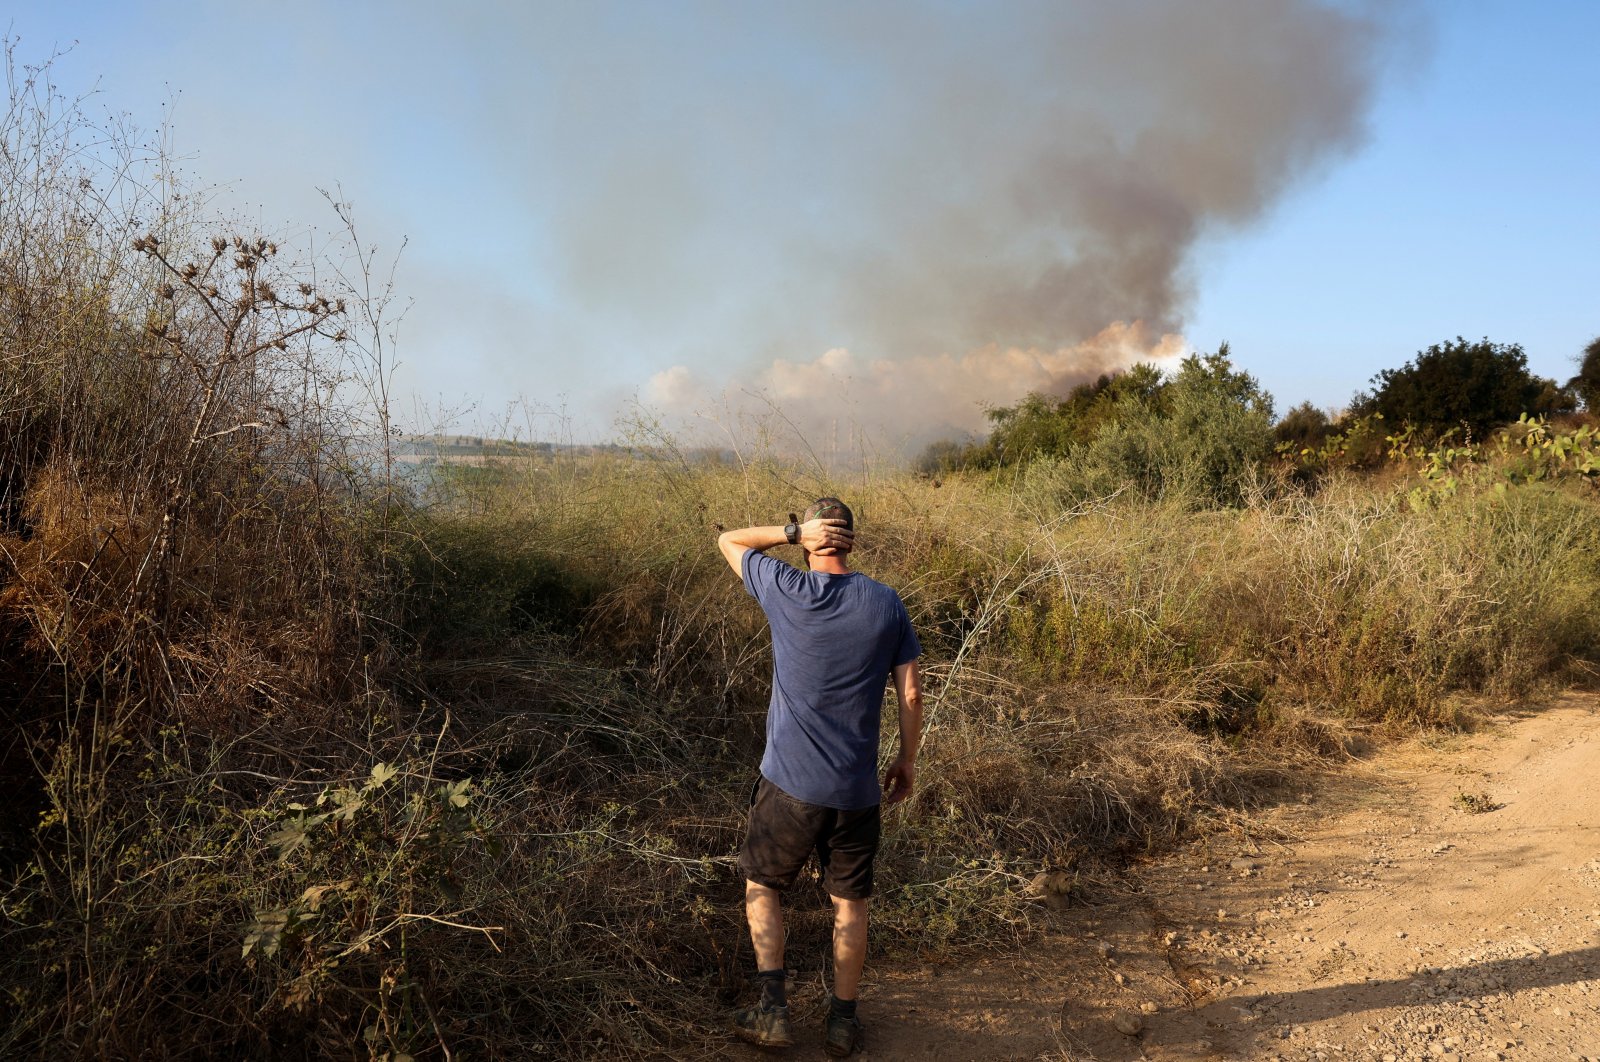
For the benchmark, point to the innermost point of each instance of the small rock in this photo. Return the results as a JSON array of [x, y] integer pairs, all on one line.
[[1148, 1008], [1128, 1024]]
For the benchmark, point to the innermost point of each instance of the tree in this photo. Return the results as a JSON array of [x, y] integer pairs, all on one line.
[[1200, 437], [1218, 427], [1043, 425], [1305, 427], [1461, 385], [1586, 385]]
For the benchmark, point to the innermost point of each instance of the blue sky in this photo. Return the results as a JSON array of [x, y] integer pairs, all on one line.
[[1473, 209], [896, 212]]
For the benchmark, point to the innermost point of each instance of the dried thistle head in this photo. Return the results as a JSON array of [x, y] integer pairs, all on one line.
[[305, 289], [168, 292], [219, 244], [191, 271]]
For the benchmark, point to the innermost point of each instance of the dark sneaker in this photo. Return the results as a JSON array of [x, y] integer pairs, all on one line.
[[843, 1036], [764, 1026]]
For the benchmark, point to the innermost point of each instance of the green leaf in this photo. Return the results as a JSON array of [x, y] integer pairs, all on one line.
[[266, 932], [455, 794], [287, 838], [350, 802]]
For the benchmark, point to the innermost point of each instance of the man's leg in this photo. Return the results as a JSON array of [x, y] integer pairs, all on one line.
[[776, 845], [848, 850], [765, 912], [766, 1023], [849, 946]]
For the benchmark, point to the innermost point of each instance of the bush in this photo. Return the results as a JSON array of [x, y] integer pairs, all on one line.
[[1461, 386], [1586, 385], [1205, 438], [1041, 426], [1305, 427]]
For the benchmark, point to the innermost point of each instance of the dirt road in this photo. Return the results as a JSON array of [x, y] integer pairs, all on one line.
[[1440, 901]]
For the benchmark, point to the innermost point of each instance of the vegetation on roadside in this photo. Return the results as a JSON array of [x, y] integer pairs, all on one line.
[[311, 761]]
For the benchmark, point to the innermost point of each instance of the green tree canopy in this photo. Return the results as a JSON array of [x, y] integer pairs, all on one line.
[[1476, 386], [1586, 385], [1199, 433], [1044, 425], [1303, 427]]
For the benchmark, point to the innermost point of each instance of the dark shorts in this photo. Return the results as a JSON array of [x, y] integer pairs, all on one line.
[[783, 832]]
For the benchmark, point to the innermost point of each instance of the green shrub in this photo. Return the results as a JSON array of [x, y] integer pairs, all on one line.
[[1204, 439]]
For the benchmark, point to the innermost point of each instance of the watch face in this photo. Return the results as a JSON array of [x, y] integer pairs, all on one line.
[[792, 532]]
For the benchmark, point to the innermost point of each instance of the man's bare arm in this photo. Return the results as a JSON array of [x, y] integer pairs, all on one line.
[[822, 537], [901, 777]]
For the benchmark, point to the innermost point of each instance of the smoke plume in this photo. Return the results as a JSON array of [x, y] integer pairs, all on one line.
[[1010, 198]]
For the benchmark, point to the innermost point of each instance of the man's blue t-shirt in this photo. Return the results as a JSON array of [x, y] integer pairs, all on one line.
[[835, 640]]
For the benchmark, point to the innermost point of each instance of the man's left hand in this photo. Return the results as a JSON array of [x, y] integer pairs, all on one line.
[[898, 781], [826, 537]]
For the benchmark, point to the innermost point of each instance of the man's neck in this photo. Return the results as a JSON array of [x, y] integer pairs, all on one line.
[[829, 565]]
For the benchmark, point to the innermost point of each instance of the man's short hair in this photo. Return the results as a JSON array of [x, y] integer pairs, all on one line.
[[831, 508]]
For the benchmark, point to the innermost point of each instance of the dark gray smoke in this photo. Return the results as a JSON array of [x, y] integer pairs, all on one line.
[[1007, 178], [1053, 174]]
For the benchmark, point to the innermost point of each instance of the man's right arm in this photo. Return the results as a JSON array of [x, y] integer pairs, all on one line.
[[901, 777], [822, 537]]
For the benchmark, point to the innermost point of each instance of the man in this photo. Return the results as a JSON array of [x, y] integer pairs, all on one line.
[[837, 636]]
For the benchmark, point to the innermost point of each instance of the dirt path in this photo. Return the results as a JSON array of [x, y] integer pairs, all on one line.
[[1392, 916]]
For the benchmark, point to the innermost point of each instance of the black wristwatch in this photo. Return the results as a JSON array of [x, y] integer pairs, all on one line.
[[791, 531]]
